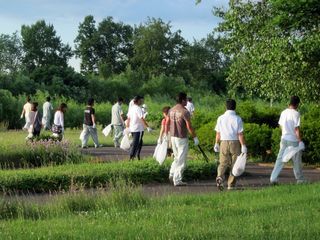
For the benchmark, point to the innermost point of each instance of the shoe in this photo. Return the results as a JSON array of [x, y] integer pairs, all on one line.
[[219, 182], [180, 184], [231, 188], [98, 146], [84, 147], [171, 179], [274, 183], [302, 181]]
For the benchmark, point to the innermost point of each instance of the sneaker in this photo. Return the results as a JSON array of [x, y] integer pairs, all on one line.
[[98, 146], [274, 183], [180, 184], [302, 181], [231, 188], [84, 147], [219, 182]]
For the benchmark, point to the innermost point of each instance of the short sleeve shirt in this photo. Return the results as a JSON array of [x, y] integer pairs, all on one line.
[[88, 112], [135, 115], [116, 114], [229, 125], [289, 121], [179, 116]]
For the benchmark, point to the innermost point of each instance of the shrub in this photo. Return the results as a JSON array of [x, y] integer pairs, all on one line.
[[311, 137], [275, 141], [206, 135]]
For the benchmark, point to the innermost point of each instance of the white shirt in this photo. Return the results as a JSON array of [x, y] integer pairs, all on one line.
[[116, 114], [190, 107], [131, 104], [47, 108], [229, 125], [59, 119], [289, 121], [27, 109], [135, 115]]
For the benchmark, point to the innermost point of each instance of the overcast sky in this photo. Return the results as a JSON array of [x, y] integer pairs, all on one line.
[[195, 21]]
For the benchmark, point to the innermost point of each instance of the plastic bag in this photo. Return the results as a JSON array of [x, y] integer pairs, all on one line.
[[81, 135], [156, 151], [107, 130], [240, 165], [291, 151], [162, 152], [126, 143]]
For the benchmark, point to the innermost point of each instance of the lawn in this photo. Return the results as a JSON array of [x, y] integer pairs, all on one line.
[[284, 212]]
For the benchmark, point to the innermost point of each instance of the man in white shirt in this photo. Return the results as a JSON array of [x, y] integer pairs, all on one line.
[[136, 123], [26, 112], [290, 126], [117, 121], [190, 106], [46, 118], [229, 133]]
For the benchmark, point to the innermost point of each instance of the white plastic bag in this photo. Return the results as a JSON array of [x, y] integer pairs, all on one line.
[[107, 130], [126, 143], [162, 152], [291, 151], [156, 150], [240, 165], [81, 135]]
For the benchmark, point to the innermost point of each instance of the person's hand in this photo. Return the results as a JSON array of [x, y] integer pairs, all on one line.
[[149, 129], [196, 141], [159, 140], [94, 125], [244, 149], [216, 148]]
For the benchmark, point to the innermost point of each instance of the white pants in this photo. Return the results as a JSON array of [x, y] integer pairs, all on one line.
[[87, 131], [297, 163], [180, 147]]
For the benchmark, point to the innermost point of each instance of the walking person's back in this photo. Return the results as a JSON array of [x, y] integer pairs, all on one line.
[[117, 121], [46, 118]]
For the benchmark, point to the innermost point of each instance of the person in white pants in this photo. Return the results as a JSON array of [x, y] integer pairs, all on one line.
[[179, 124], [26, 113], [290, 126], [117, 121]]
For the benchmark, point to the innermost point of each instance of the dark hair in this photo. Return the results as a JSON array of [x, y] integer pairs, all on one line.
[[48, 98], [136, 99], [90, 101], [166, 109], [62, 106], [34, 106], [181, 97], [295, 101], [28, 98], [231, 104], [120, 99]]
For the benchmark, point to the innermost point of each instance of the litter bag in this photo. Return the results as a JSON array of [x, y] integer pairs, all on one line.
[[107, 130], [240, 165], [156, 151], [126, 143], [162, 152], [81, 135], [290, 152]]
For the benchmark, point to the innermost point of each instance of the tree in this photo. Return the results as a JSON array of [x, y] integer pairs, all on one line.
[[157, 50], [42, 46], [10, 53]]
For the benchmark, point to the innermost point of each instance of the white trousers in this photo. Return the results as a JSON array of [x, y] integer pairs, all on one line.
[[87, 132], [297, 162], [180, 147]]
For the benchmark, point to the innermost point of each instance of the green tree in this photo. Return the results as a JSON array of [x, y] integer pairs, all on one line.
[[10, 53]]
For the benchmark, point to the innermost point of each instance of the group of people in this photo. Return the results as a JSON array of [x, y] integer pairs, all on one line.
[[175, 127]]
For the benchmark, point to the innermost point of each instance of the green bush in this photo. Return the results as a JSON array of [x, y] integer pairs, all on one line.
[[258, 139], [311, 137], [206, 135], [275, 141]]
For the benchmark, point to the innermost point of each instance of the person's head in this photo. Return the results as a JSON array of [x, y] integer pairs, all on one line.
[[48, 99], [28, 98], [63, 107], [120, 100], [165, 111], [138, 100], [294, 102], [231, 104], [34, 106], [182, 99], [90, 102], [189, 99]]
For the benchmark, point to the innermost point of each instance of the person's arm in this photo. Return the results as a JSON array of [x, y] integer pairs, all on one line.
[[162, 131], [242, 139], [190, 128], [218, 137], [298, 133], [62, 120], [93, 118], [144, 123], [23, 112], [167, 126]]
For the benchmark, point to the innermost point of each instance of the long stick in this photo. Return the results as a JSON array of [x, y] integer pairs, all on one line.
[[203, 154]]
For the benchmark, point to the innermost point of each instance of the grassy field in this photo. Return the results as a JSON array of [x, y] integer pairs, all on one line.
[[284, 212]]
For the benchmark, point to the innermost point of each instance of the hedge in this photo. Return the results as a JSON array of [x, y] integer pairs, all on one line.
[[64, 177]]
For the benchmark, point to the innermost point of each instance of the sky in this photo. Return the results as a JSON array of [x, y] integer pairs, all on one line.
[[195, 21]]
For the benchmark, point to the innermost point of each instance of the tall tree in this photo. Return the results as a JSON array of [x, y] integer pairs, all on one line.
[[10, 53], [42, 46]]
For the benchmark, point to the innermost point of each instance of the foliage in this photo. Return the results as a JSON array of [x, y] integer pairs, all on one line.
[[10, 53]]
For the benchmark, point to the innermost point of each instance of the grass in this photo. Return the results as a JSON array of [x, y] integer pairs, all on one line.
[[284, 212], [64, 177]]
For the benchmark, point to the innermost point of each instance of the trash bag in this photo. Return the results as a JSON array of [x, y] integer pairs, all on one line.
[[290, 152], [162, 152], [81, 135], [126, 143], [107, 130], [240, 165], [156, 151]]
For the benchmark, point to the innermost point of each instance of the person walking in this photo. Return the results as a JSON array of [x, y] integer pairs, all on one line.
[[26, 113], [58, 121], [35, 122], [178, 124], [89, 125], [136, 124], [289, 123], [190, 106], [230, 142], [46, 118], [117, 121]]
